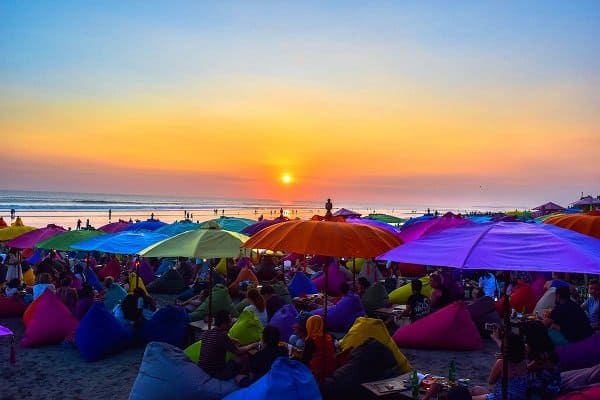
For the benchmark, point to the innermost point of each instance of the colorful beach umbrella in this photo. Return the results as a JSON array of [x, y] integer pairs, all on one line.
[[199, 243], [148, 225], [419, 229], [344, 212], [372, 222], [16, 229], [588, 224], [388, 219], [233, 224], [417, 219], [260, 225], [512, 246], [30, 239], [120, 243], [177, 227], [114, 227], [64, 241]]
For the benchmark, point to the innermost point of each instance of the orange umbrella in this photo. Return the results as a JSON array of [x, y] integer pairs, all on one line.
[[326, 238], [588, 224]]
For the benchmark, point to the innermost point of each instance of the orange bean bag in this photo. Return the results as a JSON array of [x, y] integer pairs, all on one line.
[[522, 298], [245, 275]]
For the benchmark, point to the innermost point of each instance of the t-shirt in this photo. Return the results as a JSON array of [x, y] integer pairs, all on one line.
[[592, 309], [215, 345], [488, 285], [419, 306], [262, 316], [261, 362], [573, 322]]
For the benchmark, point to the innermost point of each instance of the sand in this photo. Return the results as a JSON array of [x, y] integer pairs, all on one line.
[[56, 372]]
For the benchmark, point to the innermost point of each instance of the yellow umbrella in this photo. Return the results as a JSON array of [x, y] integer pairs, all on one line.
[[16, 229]]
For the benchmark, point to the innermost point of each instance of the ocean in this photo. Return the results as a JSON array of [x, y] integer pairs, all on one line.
[[38, 208]]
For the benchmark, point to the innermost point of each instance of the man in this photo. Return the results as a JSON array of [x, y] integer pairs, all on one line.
[[417, 305], [272, 301], [591, 305], [440, 295], [568, 317], [261, 362]]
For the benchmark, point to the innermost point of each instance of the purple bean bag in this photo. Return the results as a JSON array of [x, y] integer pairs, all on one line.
[[168, 325], [284, 320], [301, 285], [582, 354], [450, 328], [146, 273], [335, 280], [341, 316]]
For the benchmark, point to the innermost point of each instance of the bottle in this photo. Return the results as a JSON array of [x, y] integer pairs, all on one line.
[[452, 372], [414, 384]]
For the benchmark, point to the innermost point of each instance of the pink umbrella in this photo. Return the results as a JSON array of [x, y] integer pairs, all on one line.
[[30, 239], [415, 231], [114, 227]]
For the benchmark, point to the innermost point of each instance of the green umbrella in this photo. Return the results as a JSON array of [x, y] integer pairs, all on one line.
[[64, 241], [233, 224], [388, 219]]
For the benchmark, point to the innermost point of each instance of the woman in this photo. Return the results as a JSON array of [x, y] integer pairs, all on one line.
[[257, 306], [113, 293], [67, 294], [319, 349], [544, 373], [44, 282]]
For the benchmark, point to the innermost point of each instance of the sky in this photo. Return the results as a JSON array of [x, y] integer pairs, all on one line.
[[388, 103]]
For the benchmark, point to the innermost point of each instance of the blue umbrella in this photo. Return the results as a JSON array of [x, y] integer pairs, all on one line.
[[148, 225], [417, 219], [232, 224], [120, 243], [177, 228]]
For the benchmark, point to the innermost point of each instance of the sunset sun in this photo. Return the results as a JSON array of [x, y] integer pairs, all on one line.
[[286, 179]]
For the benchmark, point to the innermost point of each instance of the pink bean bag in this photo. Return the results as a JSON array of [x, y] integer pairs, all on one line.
[[284, 320], [341, 316], [335, 279], [521, 299], [113, 268], [450, 328], [51, 322], [583, 354], [589, 393], [11, 307]]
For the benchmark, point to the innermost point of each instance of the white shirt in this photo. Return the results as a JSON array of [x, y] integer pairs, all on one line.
[[262, 316]]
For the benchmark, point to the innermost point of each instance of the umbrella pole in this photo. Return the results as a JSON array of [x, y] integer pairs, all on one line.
[[354, 273], [325, 300], [137, 274], [210, 279], [507, 331]]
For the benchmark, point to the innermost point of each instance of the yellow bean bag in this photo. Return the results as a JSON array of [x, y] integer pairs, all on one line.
[[401, 295], [355, 266], [29, 277], [133, 283], [365, 328], [221, 267]]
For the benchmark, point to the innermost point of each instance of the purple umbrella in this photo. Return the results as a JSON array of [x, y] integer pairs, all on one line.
[[260, 225], [429, 226], [114, 227], [372, 222], [30, 239], [512, 246]]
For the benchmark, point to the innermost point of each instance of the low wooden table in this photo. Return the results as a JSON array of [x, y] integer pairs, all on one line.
[[394, 386]]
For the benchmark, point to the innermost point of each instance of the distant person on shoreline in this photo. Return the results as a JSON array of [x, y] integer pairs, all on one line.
[[12, 213], [109, 214], [78, 224]]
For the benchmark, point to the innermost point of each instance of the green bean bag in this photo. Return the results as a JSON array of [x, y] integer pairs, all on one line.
[[401, 295], [374, 297], [247, 329], [193, 351], [241, 305], [170, 282], [220, 301]]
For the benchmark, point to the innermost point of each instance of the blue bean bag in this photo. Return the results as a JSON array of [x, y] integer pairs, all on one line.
[[169, 325], [287, 379], [167, 373], [92, 280], [100, 334], [301, 285], [284, 320], [341, 316]]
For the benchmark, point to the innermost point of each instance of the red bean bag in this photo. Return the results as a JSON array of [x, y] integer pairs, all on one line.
[[341, 316], [589, 393], [245, 275], [11, 307], [521, 299], [113, 268], [28, 314], [450, 328], [335, 280], [582, 354], [301, 285], [284, 320], [51, 322], [412, 270]]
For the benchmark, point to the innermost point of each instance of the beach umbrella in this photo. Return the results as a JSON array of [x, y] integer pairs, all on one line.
[[120, 243], [344, 212], [30, 239], [2, 223], [416, 230], [114, 227], [64, 241], [260, 225], [588, 224], [378, 224], [16, 229], [417, 219], [479, 219], [232, 224], [388, 219], [148, 225], [177, 227]]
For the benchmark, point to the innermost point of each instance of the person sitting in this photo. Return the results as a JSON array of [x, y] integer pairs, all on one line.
[[113, 293], [440, 295], [86, 299], [13, 288], [67, 294], [257, 306], [145, 303], [568, 318], [362, 285], [591, 305], [297, 339], [272, 301], [44, 282], [269, 350], [319, 349], [487, 283], [544, 373], [417, 305]]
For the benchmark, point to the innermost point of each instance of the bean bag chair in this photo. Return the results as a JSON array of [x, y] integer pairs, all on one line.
[[284, 320], [29, 277], [372, 328], [134, 283], [521, 299], [100, 334], [401, 295], [342, 315], [30, 311], [287, 379], [92, 279], [450, 328], [582, 354], [245, 275], [348, 275], [589, 393], [483, 311], [168, 325], [113, 268], [301, 285], [11, 307], [282, 291], [146, 273], [412, 270], [51, 322], [371, 273], [164, 266], [193, 351], [355, 265], [166, 373], [170, 282], [247, 328], [374, 297], [114, 295], [221, 266], [241, 305], [546, 301], [82, 307], [220, 301], [579, 378], [335, 280]]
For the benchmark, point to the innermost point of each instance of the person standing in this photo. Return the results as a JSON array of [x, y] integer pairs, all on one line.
[[591, 305], [78, 224], [109, 214]]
